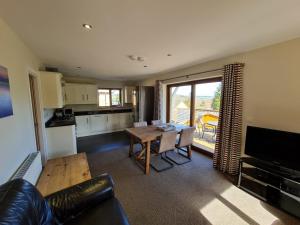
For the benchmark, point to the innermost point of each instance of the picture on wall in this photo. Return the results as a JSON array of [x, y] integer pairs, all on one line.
[[5, 98]]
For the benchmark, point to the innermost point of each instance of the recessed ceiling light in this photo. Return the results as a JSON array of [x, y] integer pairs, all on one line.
[[169, 55], [87, 26]]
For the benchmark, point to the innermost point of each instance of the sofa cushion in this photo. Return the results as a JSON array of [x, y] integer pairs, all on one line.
[[110, 212], [21, 203]]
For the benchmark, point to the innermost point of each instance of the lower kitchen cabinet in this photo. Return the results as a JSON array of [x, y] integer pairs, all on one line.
[[113, 121], [61, 141], [102, 123], [98, 123], [82, 125]]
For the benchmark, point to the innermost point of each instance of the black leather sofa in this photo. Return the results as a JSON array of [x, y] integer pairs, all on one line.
[[91, 202]]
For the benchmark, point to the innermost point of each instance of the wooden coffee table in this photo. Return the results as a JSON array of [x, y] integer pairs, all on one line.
[[63, 172]]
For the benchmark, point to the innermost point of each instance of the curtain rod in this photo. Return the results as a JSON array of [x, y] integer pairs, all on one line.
[[193, 74]]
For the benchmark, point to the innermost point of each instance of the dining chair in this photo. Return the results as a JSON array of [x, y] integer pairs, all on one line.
[[166, 142], [204, 121], [141, 153], [156, 122], [140, 124], [184, 144]]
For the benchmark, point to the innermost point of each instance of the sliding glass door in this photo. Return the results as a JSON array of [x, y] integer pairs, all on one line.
[[207, 106], [196, 104], [180, 104]]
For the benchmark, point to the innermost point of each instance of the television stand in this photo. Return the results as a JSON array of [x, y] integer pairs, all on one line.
[[278, 186]]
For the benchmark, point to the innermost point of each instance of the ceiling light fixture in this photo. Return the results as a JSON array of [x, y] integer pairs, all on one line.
[[133, 57], [87, 26], [141, 59]]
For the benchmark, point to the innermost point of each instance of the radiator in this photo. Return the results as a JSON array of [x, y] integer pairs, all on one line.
[[30, 169]]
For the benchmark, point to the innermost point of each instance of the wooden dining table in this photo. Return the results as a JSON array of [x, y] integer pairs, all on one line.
[[146, 135]]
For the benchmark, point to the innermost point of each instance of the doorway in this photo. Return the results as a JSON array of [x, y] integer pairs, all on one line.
[[34, 106], [196, 103]]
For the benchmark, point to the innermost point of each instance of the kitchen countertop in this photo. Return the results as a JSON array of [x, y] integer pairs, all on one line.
[[55, 122], [93, 111]]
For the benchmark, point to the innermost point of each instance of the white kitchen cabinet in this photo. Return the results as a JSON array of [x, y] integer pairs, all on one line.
[[91, 94], [102, 123], [61, 141], [81, 93], [82, 125], [113, 121], [98, 123], [126, 120], [52, 93], [69, 94]]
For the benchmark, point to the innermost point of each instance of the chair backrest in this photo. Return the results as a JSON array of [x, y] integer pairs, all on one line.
[[167, 141], [140, 124], [209, 117], [186, 137], [156, 122]]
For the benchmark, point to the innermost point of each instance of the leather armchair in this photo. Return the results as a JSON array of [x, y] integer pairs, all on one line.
[[91, 202]]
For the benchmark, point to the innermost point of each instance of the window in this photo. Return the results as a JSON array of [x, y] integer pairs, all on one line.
[[109, 97]]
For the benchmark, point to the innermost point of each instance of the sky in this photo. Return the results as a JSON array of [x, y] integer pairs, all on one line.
[[207, 89]]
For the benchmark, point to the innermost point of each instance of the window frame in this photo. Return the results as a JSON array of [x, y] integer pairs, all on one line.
[[110, 96]]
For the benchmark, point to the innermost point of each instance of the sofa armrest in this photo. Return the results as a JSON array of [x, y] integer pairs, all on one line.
[[70, 202]]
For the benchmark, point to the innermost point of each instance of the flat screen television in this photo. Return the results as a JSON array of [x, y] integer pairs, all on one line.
[[280, 148]]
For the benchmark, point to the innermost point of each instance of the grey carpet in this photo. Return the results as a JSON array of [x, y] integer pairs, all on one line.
[[190, 194]]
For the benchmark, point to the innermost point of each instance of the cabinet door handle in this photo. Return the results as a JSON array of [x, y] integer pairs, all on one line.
[[87, 120], [87, 97]]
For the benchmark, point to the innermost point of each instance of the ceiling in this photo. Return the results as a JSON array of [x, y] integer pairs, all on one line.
[[193, 31]]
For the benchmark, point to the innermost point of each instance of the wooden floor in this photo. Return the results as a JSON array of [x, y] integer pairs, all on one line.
[[63, 172]]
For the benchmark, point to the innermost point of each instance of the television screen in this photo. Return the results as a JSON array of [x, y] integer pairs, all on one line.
[[274, 146]]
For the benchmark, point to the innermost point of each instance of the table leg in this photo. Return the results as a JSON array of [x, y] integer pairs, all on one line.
[[147, 162], [189, 151], [131, 146]]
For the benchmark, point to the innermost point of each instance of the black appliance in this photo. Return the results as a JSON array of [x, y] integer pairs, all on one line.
[[279, 148], [59, 113], [68, 112], [143, 103]]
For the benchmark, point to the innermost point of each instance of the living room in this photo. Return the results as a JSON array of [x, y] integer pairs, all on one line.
[[74, 80]]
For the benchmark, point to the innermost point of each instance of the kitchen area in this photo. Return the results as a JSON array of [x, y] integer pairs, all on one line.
[[80, 109]]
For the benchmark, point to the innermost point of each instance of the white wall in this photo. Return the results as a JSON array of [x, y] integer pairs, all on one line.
[[16, 132], [271, 84]]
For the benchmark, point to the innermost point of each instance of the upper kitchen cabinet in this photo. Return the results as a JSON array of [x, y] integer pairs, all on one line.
[[80, 94], [52, 93]]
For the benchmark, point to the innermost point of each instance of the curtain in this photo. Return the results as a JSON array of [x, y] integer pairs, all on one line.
[[229, 132], [158, 100]]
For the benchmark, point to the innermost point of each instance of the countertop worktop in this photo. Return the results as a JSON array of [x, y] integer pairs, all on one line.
[[97, 110], [55, 122]]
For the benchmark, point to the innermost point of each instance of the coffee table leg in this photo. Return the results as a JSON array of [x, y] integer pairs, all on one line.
[[131, 146], [147, 166]]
